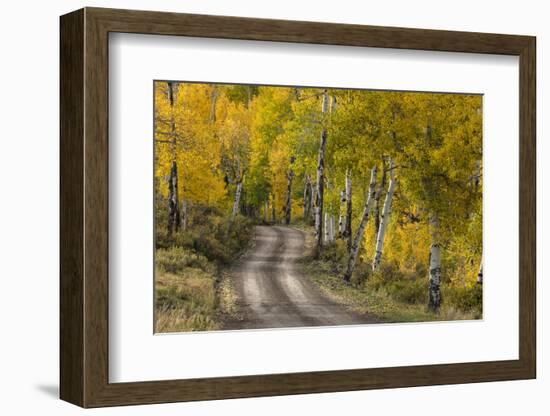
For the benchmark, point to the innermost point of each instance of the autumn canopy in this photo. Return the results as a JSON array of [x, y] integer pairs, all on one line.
[[395, 178]]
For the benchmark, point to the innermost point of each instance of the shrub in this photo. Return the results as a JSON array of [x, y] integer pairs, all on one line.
[[468, 299], [176, 259], [411, 291], [389, 271], [362, 273], [216, 237], [335, 252]]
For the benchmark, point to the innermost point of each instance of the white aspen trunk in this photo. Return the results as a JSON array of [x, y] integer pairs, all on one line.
[[356, 245], [435, 266], [329, 219], [237, 202], [342, 217], [321, 179], [266, 210], [379, 194], [331, 229], [384, 221], [480, 272], [348, 230]]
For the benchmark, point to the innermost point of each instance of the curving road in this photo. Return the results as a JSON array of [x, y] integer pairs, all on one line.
[[273, 294]]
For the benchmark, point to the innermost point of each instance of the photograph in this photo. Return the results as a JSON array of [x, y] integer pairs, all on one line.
[[285, 206]]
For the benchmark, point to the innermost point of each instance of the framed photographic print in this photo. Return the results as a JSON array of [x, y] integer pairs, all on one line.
[[255, 207]]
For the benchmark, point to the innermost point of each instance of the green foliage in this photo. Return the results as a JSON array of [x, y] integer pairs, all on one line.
[[241, 93]]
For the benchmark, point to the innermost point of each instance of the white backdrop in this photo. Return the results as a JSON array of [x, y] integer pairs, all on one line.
[[135, 354], [29, 220]]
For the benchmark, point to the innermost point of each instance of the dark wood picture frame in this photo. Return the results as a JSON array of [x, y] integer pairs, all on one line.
[[84, 207]]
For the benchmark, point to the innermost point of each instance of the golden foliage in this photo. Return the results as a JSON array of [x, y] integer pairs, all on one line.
[[220, 134]]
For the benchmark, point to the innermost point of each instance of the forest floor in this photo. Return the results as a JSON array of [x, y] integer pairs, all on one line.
[[271, 291]]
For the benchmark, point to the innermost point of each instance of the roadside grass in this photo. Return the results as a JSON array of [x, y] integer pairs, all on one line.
[[387, 295], [193, 291], [186, 301]]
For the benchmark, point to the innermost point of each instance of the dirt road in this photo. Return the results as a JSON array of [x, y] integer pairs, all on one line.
[[273, 294]]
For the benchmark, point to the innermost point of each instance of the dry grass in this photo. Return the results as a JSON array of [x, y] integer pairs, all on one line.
[[228, 298], [186, 301], [191, 293]]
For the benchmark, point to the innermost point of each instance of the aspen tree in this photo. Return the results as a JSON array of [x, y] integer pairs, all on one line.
[[320, 176], [384, 220], [356, 245]]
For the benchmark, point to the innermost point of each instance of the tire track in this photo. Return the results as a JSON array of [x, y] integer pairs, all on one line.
[[273, 294]]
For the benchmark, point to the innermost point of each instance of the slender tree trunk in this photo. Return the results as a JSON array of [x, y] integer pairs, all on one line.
[[333, 104], [312, 203], [355, 247], [376, 213], [266, 210], [172, 91], [329, 228], [173, 205], [434, 291], [348, 230], [329, 218], [307, 197], [173, 208], [480, 272], [386, 212], [321, 178], [237, 202], [342, 217], [288, 199]]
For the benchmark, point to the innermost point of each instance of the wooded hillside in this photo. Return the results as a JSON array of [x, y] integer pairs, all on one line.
[[393, 179]]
